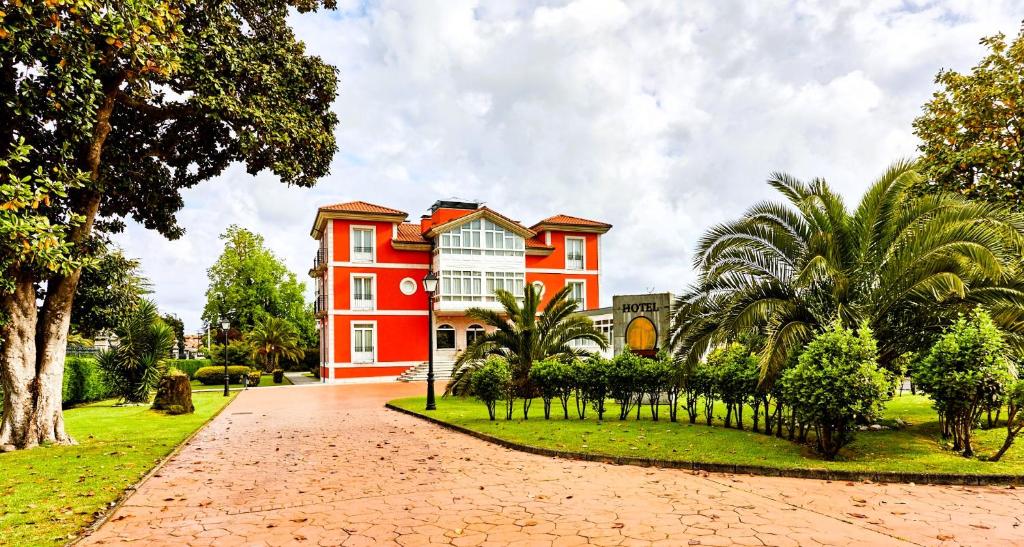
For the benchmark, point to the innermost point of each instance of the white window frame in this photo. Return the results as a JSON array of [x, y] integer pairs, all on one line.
[[352, 240], [455, 337], [362, 325], [583, 253], [541, 290], [352, 291], [582, 301], [477, 329]]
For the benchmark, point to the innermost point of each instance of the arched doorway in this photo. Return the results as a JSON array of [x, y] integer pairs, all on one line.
[[642, 336]]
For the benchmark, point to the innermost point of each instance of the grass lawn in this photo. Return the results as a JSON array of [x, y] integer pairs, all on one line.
[[915, 448], [265, 380], [48, 494]]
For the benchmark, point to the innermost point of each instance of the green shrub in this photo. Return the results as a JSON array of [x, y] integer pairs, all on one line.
[[964, 372], [623, 377], [239, 353], [83, 381], [653, 379], [552, 379], [593, 382], [278, 376], [214, 375], [133, 366], [491, 382], [736, 372], [188, 366], [253, 378], [836, 381]]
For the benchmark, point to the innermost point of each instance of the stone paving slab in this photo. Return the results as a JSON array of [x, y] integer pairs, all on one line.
[[328, 465]]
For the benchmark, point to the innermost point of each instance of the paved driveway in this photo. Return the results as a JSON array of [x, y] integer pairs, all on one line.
[[327, 465]]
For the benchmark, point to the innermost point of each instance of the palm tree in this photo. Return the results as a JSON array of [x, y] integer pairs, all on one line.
[[523, 336], [273, 338], [904, 262], [134, 365]]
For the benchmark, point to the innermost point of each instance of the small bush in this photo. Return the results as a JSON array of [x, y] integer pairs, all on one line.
[[188, 366], [212, 376], [83, 381], [239, 353], [736, 372], [552, 380], [965, 371], [593, 381], [254, 378], [836, 381], [491, 382], [278, 376], [623, 378]]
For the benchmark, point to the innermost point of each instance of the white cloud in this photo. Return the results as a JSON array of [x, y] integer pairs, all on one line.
[[660, 117]]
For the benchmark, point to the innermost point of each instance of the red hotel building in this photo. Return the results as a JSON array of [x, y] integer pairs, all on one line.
[[371, 308]]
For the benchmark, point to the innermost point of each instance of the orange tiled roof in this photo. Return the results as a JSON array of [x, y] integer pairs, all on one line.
[[537, 243], [443, 225], [566, 220], [409, 233], [362, 207]]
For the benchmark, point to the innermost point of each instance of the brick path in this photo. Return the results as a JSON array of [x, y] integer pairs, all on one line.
[[327, 465]]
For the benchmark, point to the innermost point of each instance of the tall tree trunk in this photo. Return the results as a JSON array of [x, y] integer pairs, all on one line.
[[18, 370]]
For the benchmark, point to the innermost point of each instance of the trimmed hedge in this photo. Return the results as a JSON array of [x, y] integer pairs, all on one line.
[[188, 366], [83, 381], [212, 376]]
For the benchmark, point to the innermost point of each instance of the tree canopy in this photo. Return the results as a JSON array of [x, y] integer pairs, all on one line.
[[110, 289], [972, 130], [248, 283]]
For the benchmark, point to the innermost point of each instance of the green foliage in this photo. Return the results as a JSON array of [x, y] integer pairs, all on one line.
[[255, 378], [491, 382], [29, 241], [133, 367], [273, 338], [735, 372], [523, 336], [214, 375], [971, 129], [553, 380], [278, 376], [903, 263], [111, 287], [178, 326], [239, 352], [966, 368], [188, 366], [83, 381], [249, 283], [592, 377], [835, 382], [1014, 416], [623, 377]]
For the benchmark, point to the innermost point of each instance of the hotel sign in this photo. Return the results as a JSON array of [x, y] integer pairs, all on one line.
[[640, 307]]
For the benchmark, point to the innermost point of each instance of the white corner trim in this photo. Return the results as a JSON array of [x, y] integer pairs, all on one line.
[[370, 313], [563, 271], [395, 265]]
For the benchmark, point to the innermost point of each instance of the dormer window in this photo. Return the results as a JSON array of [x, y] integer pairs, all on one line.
[[362, 244], [574, 259], [481, 237]]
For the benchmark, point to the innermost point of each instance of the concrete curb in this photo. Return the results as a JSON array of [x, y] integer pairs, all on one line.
[[130, 491], [736, 469]]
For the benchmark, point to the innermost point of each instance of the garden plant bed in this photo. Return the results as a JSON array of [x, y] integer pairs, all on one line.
[[913, 454], [266, 380], [48, 495]]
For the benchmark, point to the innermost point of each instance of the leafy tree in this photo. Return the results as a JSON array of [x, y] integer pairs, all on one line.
[[248, 283], [134, 365], [905, 264], [1014, 417], [624, 381], [654, 380], [966, 368], [111, 287], [735, 372], [239, 352], [972, 141], [273, 338], [178, 326], [124, 104], [593, 379], [522, 335], [492, 381], [836, 381]]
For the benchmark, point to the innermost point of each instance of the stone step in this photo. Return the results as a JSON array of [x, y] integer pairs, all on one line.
[[442, 371]]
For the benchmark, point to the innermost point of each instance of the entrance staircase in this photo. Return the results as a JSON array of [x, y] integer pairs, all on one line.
[[418, 373]]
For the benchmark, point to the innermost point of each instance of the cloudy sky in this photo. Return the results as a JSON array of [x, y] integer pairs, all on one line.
[[661, 118]]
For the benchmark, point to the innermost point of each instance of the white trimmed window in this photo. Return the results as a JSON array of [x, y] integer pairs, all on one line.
[[363, 339], [362, 244], [472, 333], [445, 337], [512, 282], [362, 292], [461, 286], [578, 292], [574, 259], [481, 237]]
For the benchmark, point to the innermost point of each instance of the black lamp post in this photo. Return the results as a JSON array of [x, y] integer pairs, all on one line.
[[429, 286], [225, 324]]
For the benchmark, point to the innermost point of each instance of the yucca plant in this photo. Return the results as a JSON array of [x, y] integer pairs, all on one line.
[[522, 336], [902, 262], [133, 366]]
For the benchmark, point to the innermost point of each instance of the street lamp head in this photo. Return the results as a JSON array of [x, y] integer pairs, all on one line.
[[225, 325], [430, 282]]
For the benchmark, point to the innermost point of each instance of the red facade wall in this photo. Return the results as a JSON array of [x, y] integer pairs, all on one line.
[[556, 260], [385, 252], [399, 337]]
